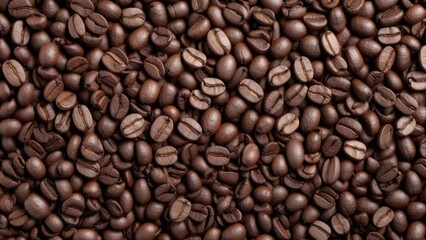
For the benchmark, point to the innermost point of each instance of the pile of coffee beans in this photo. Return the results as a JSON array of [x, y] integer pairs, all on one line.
[[212, 119]]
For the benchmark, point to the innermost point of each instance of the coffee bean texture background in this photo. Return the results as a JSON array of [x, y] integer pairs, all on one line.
[[212, 119]]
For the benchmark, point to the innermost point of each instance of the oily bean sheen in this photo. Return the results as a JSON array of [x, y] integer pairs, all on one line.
[[211, 119]]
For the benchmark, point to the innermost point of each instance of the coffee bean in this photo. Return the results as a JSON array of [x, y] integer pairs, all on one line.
[[76, 27], [132, 125], [18, 218], [354, 149], [119, 106], [82, 118], [36, 206], [82, 7], [349, 128], [330, 43], [194, 58], [250, 90], [91, 147], [14, 73], [217, 155], [189, 128], [161, 128], [87, 168], [166, 156], [406, 104], [383, 217], [115, 60], [319, 230], [212, 87], [296, 94], [199, 101], [319, 94], [180, 210], [287, 124], [132, 17], [331, 170], [389, 35], [278, 76], [154, 67], [405, 125], [96, 23], [340, 224], [303, 69], [218, 42]]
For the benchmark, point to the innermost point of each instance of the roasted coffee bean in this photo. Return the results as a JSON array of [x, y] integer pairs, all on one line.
[[250, 90], [406, 103], [217, 155], [218, 42], [278, 76], [382, 217], [92, 148], [166, 156], [354, 149], [154, 67], [36, 206], [213, 119], [161, 128], [76, 27], [82, 118], [115, 60], [330, 43], [190, 129], [303, 69], [132, 125], [14, 73], [213, 87], [319, 94], [194, 58], [319, 230], [180, 210]]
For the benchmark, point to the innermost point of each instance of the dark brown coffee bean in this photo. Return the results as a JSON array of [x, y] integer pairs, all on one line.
[[180, 210], [250, 90], [14, 73], [406, 103], [278, 76], [36, 206], [115, 60], [331, 170], [132, 125], [212, 87], [189, 128], [154, 67], [198, 100], [92, 148], [416, 80], [354, 149], [218, 42], [330, 43], [194, 58], [96, 23], [303, 69], [383, 217], [76, 27], [82, 118], [82, 7], [340, 224], [161, 128], [319, 94], [319, 230], [389, 35], [385, 59], [166, 156], [217, 155]]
